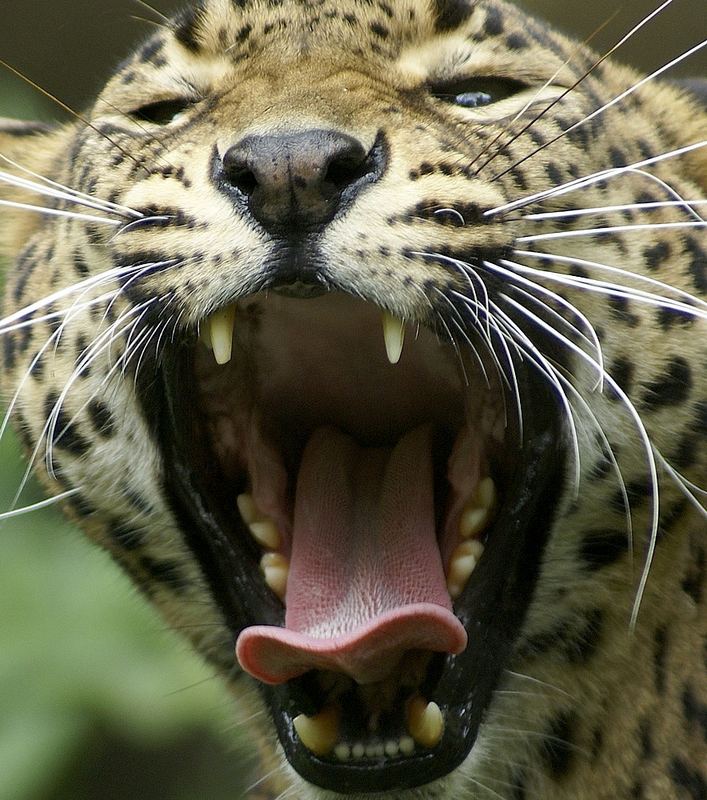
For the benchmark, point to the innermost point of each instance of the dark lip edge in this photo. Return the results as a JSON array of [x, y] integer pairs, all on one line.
[[222, 555]]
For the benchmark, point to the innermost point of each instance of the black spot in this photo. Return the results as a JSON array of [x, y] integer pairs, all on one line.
[[66, 434], [685, 454], [672, 388], [601, 548], [125, 536], [645, 740], [101, 418], [656, 255], [150, 50], [684, 778], [516, 41], [493, 25], [694, 580], [620, 310], [9, 351], [617, 157], [186, 24], [554, 173], [698, 264], [557, 745], [165, 572], [450, 14], [694, 711], [660, 648], [243, 34], [622, 372], [24, 267], [597, 743], [379, 30]]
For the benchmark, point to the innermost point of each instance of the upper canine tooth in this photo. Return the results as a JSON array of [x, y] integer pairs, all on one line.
[[477, 512], [319, 733], [394, 336], [425, 722], [221, 324]]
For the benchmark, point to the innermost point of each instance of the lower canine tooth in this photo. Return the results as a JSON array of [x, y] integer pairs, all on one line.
[[266, 534], [319, 734], [276, 569], [221, 325], [394, 336], [425, 722]]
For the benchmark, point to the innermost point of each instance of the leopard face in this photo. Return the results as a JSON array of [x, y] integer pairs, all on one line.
[[369, 339]]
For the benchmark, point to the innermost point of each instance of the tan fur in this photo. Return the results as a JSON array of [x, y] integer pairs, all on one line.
[[632, 702]]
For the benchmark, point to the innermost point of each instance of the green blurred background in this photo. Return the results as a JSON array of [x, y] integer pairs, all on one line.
[[97, 699]]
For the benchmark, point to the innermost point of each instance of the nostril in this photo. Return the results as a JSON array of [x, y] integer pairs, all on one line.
[[345, 170], [244, 180], [238, 172]]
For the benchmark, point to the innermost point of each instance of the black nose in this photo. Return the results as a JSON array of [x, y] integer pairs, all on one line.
[[299, 180]]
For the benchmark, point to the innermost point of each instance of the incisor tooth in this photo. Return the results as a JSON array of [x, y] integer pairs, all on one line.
[[266, 534], [461, 565], [319, 734], [425, 722], [477, 512], [221, 324], [276, 569], [394, 336]]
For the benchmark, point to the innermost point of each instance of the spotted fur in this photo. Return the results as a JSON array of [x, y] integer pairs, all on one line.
[[605, 695]]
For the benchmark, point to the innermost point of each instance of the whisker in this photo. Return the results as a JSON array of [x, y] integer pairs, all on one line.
[[49, 501], [110, 206], [606, 106], [583, 77], [652, 226], [57, 212], [579, 212], [602, 175], [692, 299]]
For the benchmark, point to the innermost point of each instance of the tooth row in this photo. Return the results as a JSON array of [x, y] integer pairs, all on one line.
[[478, 509], [358, 751], [217, 333], [393, 336], [264, 530], [320, 734], [462, 564]]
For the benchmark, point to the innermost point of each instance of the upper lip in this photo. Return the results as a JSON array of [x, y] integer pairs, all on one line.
[[492, 608]]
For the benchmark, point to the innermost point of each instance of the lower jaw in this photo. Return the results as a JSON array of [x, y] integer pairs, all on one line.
[[491, 608]]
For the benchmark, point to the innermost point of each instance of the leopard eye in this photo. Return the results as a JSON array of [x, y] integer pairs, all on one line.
[[475, 92], [162, 112]]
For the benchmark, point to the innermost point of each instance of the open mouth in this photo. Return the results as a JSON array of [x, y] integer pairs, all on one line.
[[369, 510]]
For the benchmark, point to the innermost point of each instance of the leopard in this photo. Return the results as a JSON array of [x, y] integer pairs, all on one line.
[[369, 338]]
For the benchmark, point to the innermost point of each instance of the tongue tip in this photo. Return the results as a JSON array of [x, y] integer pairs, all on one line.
[[367, 654]]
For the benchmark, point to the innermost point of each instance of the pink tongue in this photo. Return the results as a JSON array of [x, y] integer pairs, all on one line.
[[366, 580]]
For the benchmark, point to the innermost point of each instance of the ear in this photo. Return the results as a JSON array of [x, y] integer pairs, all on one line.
[[35, 147]]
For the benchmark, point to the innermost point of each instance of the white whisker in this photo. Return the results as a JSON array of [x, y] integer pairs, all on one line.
[[56, 212], [653, 226]]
